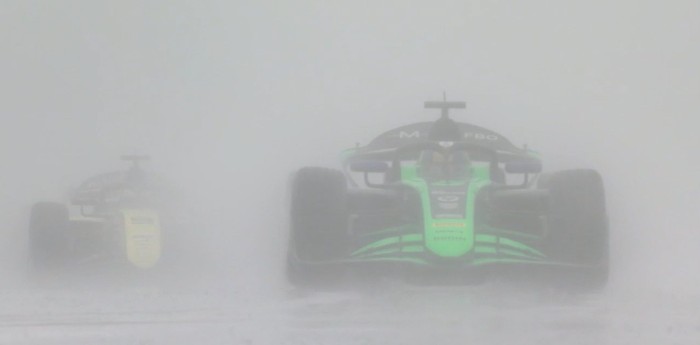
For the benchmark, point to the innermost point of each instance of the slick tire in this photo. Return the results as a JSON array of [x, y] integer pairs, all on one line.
[[319, 219], [49, 235], [578, 224]]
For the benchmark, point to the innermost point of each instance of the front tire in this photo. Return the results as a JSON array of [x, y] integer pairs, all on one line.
[[49, 235], [578, 224], [319, 219]]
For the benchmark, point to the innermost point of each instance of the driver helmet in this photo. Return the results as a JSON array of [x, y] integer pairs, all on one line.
[[436, 164]]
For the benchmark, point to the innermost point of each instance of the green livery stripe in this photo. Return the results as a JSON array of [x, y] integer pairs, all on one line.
[[409, 173], [412, 238], [374, 245], [390, 241], [504, 252], [392, 250], [381, 252], [483, 239]]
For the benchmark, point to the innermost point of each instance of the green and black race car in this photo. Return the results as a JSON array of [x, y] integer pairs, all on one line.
[[446, 199], [119, 223]]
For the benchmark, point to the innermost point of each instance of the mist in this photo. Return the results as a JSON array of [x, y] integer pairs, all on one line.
[[230, 98]]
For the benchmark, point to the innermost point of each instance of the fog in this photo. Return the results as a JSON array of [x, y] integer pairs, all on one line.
[[229, 98]]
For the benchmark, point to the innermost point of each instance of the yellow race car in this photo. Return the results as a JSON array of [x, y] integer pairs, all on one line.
[[117, 220]]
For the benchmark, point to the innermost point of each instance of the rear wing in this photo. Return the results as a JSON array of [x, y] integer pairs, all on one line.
[[445, 106]]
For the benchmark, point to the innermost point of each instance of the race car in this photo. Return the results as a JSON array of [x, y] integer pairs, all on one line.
[[119, 223], [446, 199]]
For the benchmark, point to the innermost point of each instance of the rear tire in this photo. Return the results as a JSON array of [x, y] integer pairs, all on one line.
[[49, 235], [319, 219], [578, 224]]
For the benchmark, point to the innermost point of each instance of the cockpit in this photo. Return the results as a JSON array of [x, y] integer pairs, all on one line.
[[435, 165]]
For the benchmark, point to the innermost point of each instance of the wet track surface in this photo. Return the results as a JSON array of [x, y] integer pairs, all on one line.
[[392, 314]]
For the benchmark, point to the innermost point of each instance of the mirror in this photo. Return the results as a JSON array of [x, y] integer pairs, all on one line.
[[524, 167], [369, 166]]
